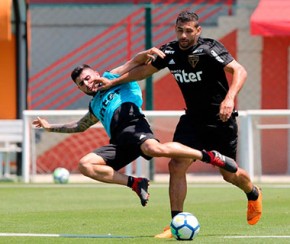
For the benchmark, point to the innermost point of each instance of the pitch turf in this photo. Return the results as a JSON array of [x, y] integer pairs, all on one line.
[[99, 213]]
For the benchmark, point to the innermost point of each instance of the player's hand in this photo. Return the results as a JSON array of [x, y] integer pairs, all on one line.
[[153, 53], [226, 109], [41, 123], [103, 83]]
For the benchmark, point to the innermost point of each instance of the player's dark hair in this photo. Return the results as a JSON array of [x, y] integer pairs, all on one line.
[[78, 70], [186, 16]]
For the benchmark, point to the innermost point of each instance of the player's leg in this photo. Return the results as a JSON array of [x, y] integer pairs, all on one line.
[[242, 180], [177, 189], [178, 184], [103, 166], [182, 147], [225, 139], [153, 148], [177, 171], [94, 167]]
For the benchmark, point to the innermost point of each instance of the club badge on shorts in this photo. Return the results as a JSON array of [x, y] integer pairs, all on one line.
[[193, 60]]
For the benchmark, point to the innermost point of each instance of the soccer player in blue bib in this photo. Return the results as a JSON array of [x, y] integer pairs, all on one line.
[[119, 110], [199, 66]]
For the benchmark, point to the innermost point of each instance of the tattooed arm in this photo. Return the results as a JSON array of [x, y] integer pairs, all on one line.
[[76, 126]]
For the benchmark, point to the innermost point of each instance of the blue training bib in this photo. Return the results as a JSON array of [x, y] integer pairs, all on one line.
[[104, 103]]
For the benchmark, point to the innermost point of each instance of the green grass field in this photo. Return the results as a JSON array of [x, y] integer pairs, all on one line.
[[99, 213]]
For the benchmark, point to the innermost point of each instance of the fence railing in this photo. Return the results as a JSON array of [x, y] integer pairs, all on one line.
[[251, 125]]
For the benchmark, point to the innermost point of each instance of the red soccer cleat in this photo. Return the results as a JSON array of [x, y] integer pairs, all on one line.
[[221, 161], [140, 186]]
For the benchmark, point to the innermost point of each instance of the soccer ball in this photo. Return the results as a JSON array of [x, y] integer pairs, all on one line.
[[60, 175], [184, 226]]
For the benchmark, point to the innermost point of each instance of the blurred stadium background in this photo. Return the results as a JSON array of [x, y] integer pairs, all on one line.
[[41, 41]]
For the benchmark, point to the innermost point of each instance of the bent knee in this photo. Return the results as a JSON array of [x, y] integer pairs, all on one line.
[[88, 161], [83, 165], [84, 160], [152, 150]]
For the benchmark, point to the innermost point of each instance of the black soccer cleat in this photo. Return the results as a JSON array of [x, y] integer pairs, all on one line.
[[221, 161], [140, 186]]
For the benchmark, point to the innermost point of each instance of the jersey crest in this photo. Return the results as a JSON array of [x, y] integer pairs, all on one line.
[[193, 60]]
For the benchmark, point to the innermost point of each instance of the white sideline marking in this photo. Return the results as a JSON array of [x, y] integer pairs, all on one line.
[[112, 236], [104, 185], [29, 234], [60, 235], [248, 237]]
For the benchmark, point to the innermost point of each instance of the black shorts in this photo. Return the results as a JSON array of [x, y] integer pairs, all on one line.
[[217, 135], [125, 144]]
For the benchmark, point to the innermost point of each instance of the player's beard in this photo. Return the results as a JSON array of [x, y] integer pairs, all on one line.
[[185, 43]]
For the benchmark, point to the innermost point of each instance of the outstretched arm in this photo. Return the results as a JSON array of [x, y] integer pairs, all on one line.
[[144, 57], [76, 126], [137, 68]]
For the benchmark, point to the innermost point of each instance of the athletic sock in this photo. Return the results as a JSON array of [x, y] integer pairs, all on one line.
[[253, 195], [205, 156], [174, 213], [130, 181]]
